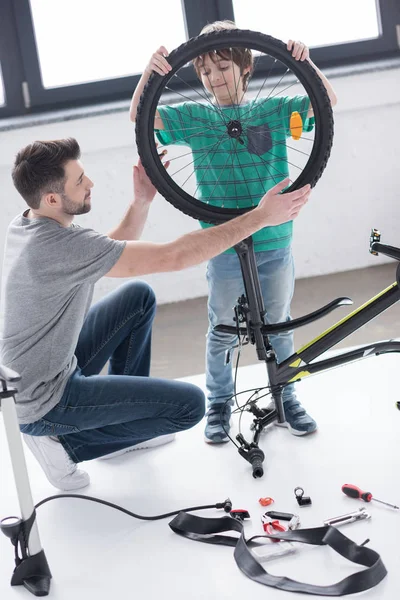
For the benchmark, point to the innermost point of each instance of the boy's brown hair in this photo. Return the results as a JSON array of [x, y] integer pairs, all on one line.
[[39, 168], [242, 57]]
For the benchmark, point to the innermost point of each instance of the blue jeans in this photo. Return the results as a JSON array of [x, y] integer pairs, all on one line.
[[225, 282], [99, 414]]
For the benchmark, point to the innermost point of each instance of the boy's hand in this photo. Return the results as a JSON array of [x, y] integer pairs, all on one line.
[[277, 208], [158, 62], [299, 50]]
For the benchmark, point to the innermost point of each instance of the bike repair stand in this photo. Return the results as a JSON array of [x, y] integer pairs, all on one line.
[[31, 568], [251, 310]]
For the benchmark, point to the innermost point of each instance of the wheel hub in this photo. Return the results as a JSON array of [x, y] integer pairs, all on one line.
[[234, 129]]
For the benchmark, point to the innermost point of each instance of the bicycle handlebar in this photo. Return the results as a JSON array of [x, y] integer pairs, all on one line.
[[391, 251], [256, 457], [375, 246]]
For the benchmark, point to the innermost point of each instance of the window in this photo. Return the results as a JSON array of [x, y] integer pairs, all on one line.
[[66, 53], [314, 22], [79, 42]]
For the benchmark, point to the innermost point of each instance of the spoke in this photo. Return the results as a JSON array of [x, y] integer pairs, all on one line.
[[270, 164], [227, 184], [193, 135], [267, 167], [232, 101], [206, 98], [282, 144], [180, 156], [280, 160], [211, 147], [216, 183], [283, 118], [259, 91], [217, 107], [244, 178], [277, 84], [236, 84], [201, 181], [295, 149], [245, 89], [181, 169], [185, 128], [215, 97], [206, 123], [194, 101], [269, 111], [233, 172]]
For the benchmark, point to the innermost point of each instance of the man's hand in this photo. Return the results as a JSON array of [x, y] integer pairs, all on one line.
[[299, 50], [158, 62], [277, 208], [143, 190]]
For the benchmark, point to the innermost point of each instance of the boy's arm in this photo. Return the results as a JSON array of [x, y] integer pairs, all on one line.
[[301, 52], [159, 65]]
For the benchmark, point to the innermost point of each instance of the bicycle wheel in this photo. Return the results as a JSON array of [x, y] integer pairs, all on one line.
[[225, 154]]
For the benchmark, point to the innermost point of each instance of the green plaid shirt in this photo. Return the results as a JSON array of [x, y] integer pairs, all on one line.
[[236, 172]]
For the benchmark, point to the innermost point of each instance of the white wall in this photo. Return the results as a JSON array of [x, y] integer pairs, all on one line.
[[358, 190]]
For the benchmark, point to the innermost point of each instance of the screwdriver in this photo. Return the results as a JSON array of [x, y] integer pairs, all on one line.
[[354, 492]]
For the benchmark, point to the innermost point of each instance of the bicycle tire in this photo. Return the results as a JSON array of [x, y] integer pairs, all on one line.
[[202, 44]]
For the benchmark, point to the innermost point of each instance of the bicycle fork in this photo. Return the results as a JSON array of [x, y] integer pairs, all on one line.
[[251, 310]]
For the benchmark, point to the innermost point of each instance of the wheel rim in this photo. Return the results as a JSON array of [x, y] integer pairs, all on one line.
[[234, 124]]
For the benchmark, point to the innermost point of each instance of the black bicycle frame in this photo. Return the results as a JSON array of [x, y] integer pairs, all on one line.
[[299, 365]]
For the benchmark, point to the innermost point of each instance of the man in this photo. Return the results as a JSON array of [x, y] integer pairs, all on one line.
[[67, 411]]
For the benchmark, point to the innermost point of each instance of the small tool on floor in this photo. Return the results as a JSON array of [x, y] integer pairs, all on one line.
[[272, 526], [354, 492], [302, 500], [266, 501], [357, 515], [240, 514], [294, 520]]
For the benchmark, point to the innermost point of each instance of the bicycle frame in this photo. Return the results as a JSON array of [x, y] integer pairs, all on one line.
[[299, 365]]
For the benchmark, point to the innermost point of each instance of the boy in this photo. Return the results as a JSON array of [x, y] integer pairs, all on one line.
[[225, 75]]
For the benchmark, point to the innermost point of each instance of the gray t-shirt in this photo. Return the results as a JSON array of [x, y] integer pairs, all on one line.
[[49, 273]]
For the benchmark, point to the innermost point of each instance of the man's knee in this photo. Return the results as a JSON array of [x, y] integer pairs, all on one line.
[[140, 292], [197, 402]]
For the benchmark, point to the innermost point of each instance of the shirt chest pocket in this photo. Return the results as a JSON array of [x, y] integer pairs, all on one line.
[[259, 139]]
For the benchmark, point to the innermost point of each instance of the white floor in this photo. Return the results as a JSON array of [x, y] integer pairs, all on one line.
[[96, 552]]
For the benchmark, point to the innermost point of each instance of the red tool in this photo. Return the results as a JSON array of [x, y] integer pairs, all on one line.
[[272, 527], [266, 501], [354, 492]]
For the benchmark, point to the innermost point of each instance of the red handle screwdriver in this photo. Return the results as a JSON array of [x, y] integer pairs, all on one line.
[[354, 492]]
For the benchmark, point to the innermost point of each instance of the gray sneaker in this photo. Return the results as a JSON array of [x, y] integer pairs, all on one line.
[[297, 420], [218, 424]]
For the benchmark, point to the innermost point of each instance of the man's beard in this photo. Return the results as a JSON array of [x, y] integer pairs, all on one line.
[[71, 208]]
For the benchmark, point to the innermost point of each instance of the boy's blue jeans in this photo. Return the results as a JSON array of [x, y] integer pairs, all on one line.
[[101, 414], [225, 282]]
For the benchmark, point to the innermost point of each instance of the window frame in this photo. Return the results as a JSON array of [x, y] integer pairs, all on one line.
[[25, 93]]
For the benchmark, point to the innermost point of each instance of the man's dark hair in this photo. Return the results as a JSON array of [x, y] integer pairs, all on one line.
[[39, 168]]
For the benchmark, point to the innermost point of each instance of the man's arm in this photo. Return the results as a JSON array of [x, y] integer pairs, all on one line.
[[301, 52], [141, 258], [131, 226], [159, 65]]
